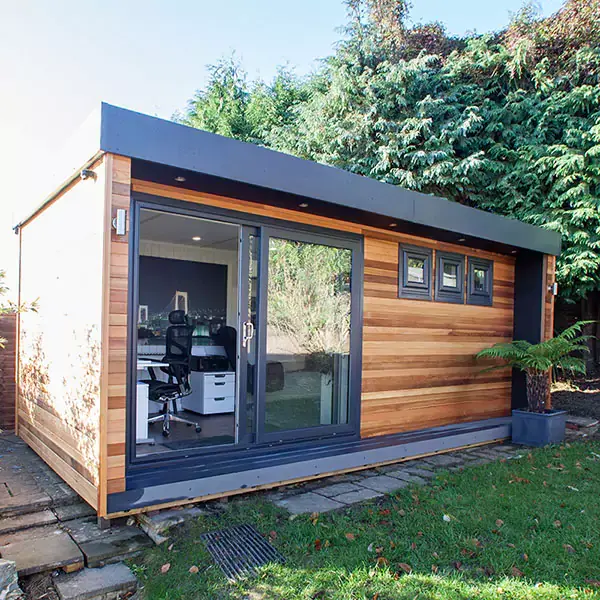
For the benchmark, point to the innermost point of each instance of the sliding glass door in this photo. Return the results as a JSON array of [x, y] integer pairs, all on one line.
[[309, 325], [264, 321]]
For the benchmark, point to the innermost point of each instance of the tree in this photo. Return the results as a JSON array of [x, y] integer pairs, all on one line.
[[507, 122]]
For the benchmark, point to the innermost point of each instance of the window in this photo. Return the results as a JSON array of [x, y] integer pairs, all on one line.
[[450, 277], [480, 281], [414, 273]]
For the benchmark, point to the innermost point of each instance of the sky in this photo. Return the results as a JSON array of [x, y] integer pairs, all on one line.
[[59, 59]]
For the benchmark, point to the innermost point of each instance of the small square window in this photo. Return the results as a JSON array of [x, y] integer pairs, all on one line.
[[481, 281], [414, 272], [450, 277]]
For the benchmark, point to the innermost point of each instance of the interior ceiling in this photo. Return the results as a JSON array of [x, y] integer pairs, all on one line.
[[179, 229]]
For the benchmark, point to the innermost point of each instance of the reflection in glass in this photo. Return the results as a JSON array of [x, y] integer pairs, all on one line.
[[479, 277], [416, 270], [308, 335], [450, 275], [253, 250]]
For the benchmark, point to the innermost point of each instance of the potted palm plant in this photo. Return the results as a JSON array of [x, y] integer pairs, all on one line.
[[540, 425]]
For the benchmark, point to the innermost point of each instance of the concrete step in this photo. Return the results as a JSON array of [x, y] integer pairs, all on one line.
[[581, 423], [103, 547], [106, 583], [41, 549], [27, 521]]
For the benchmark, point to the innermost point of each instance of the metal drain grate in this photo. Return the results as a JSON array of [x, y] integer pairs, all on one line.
[[240, 550]]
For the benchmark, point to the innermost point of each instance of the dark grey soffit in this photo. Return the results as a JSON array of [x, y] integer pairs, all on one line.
[[147, 138]]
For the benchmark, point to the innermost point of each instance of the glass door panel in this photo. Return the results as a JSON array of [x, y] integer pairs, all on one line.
[[307, 338]]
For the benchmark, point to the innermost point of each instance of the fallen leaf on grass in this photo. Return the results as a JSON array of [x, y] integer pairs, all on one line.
[[317, 545], [384, 511], [569, 548], [519, 480], [499, 522], [524, 556], [457, 565], [516, 572], [594, 582], [573, 489], [170, 547], [382, 561], [557, 523], [402, 512], [193, 569], [406, 568], [350, 537], [434, 569], [413, 546], [165, 568], [447, 518]]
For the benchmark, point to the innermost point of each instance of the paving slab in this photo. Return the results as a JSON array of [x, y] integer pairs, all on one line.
[[382, 483], [407, 477], [158, 525], [336, 489], [419, 472], [308, 503], [102, 547], [51, 551], [441, 460], [12, 524], [358, 496], [73, 511], [104, 583], [24, 503]]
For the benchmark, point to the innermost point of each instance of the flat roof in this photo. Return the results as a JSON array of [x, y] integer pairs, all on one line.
[[155, 140]]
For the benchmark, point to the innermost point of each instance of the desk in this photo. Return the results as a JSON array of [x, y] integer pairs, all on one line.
[[141, 425]]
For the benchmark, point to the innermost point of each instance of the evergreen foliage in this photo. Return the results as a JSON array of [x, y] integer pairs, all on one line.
[[509, 122]]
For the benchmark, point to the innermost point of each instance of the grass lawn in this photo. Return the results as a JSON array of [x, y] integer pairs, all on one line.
[[519, 529]]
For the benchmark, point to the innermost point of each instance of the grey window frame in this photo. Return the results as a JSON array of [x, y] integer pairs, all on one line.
[[412, 290], [444, 293], [478, 297]]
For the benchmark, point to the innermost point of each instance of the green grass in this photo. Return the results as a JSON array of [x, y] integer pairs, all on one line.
[[520, 529]]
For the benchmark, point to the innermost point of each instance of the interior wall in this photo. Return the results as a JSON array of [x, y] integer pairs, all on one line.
[[419, 369], [60, 344], [205, 255]]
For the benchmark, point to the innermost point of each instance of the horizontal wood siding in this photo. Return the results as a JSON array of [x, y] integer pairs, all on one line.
[[60, 345], [116, 273], [419, 369]]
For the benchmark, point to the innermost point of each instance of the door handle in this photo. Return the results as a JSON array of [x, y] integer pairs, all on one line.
[[247, 333]]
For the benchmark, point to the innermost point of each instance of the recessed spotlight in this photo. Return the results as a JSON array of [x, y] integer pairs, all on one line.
[[180, 179], [303, 205], [513, 251], [462, 239], [196, 238], [393, 224]]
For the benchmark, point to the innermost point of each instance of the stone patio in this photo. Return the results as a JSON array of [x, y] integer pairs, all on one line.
[[46, 527]]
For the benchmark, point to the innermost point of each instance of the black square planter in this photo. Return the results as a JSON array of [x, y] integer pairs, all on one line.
[[538, 429]]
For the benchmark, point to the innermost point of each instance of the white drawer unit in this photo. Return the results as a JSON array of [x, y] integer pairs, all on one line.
[[212, 393]]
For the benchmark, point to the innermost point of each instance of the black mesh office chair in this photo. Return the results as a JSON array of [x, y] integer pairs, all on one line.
[[178, 355]]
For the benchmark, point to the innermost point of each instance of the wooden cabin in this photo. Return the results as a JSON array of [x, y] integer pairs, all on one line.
[[216, 317]]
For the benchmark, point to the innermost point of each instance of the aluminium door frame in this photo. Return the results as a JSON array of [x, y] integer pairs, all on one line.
[[141, 200], [356, 291]]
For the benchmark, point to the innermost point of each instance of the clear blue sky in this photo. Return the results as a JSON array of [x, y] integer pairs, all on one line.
[[59, 59]]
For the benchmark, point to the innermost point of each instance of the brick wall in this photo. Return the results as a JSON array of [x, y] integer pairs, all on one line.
[[8, 330]]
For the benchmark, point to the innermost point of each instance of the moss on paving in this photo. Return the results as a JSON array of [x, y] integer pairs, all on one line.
[[521, 529]]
